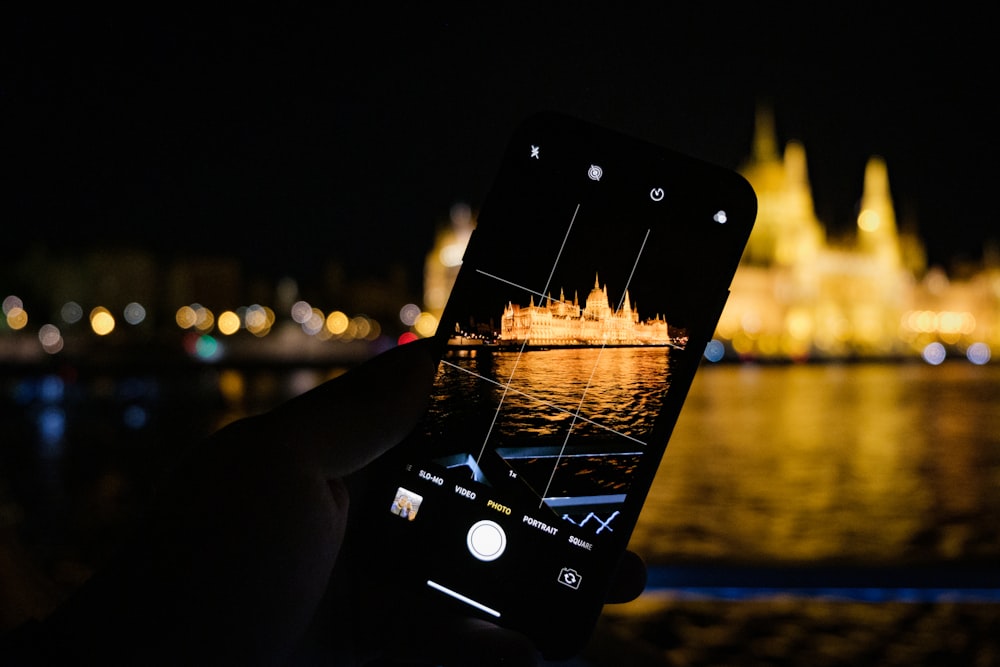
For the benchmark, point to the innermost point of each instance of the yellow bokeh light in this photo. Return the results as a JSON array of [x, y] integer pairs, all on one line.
[[425, 325], [102, 321], [259, 320], [926, 321], [229, 323], [947, 322], [336, 323], [869, 220], [799, 325], [743, 344], [751, 323], [795, 348], [17, 318], [769, 345], [361, 327], [205, 318], [231, 385], [952, 322], [451, 254], [351, 332], [255, 318], [185, 317]]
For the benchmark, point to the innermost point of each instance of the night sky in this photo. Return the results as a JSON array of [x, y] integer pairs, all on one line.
[[291, 138]]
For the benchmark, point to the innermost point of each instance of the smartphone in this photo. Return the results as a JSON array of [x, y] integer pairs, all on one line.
[[593, 280]]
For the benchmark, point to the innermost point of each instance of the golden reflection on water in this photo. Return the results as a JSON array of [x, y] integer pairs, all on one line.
[[868, 463], [593, 382]]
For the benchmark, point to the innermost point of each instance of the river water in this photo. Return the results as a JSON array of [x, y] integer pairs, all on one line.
[[873, 464], [863, 463]]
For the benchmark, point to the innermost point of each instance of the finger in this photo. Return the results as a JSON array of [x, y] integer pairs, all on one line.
[[345, 423]]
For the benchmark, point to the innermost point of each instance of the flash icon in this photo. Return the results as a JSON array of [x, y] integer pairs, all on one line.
[[534, 152]]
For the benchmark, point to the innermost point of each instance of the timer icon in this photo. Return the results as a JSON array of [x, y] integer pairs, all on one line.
[[656, 194]]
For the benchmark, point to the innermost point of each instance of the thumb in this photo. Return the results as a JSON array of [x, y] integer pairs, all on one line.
[[345, 423]]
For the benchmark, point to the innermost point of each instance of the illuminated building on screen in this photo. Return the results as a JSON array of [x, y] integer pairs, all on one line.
[[563, 322]]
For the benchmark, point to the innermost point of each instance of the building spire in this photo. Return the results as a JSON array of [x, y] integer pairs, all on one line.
[[765, 143], [877, 220]]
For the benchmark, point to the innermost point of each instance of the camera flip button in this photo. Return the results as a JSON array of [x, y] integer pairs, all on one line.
[[486, 540]]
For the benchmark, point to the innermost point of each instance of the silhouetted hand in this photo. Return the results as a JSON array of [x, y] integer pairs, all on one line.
[[239, 552]]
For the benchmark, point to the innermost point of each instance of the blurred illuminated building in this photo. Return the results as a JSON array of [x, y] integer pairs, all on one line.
[[445, 258], [799, 295]]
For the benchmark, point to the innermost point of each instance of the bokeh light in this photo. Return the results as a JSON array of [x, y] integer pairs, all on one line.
[[360, 327], [204, 318], [374, 329], [11, 302], [409, 313], [979, 353], [302, 312], [715, 350], [934, 353], [51, 423], [102, 322], [17, 318], [232, 386], [869, 220], [71, 312], [315, 323], [229, 323], [134, 313], [451, 254], [52, 389], [258, 319], [185, 317], [51, 338], [207, 348], [135, 417], [426, 325], [337, 322]]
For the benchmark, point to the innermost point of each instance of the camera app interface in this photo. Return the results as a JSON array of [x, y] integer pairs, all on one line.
[[564, 332]]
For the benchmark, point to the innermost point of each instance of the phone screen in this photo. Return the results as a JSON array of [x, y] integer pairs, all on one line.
[[593, 281]]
